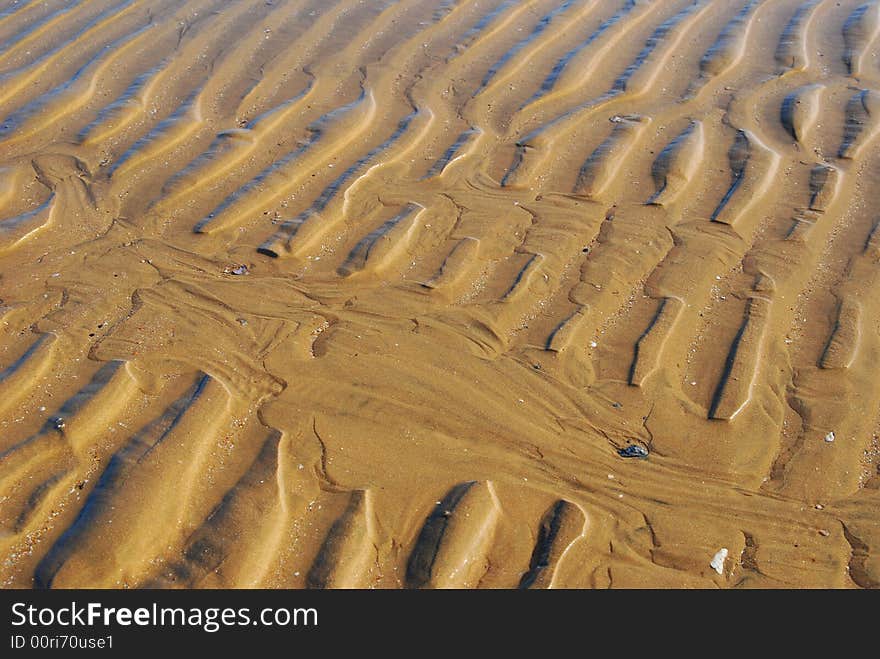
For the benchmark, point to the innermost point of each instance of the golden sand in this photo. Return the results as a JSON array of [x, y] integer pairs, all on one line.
[[311, 293]]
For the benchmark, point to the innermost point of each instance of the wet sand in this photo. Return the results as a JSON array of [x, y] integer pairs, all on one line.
[[482, 293]]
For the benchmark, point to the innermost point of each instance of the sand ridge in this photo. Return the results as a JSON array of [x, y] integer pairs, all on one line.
[[382, 294]]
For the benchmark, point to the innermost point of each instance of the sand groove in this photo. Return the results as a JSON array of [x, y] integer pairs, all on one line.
[[431, 294]]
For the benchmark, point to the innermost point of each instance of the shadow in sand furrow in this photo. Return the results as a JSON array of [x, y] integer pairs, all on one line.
[[859, 31], [58, 423], [457, 267], [535, 279], [113, 478], [738, 156], [110, 25], [753, 168], [25, 7], [676, 166], [824, 185], [569, 332], [35, 31], [861, 123], [649, 347], [861, 532], [862, 563], [526, 277], [55, 32], [375, 108], [624, 82], [559, 66], [343, 114], [231, 147], [468, 542], [843, 344], [281, 242], [20, 377], [562, 275], [315, 33], [145, 97], [382, 244], [13, 179], [562, 525], [113, 117], [729, 49], [486, 19], [137, 153], [44, 465], [229, 73], [540, 27], [15, 230], [603, 165], [51, 107], [440, 164], [71, 194], [682, 283], [611, 263], [803, 222], [451, 550], [791, 51], [800, 110], [734, 390], [831, 439], [180, 477], [282, 524], [249, 529], [349, 551], [640, 75]]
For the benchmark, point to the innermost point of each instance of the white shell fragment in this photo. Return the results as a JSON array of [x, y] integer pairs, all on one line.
[[718, 559], [829, 437]]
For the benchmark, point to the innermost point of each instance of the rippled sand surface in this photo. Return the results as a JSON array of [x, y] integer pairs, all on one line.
[[475, 293]]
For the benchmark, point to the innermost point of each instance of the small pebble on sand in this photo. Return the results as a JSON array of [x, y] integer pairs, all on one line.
[[633, 451], [717, 562]]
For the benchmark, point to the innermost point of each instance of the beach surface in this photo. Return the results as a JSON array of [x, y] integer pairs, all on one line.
[[437, 293]]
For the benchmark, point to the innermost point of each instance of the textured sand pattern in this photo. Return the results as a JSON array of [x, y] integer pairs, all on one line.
[[302, 293]]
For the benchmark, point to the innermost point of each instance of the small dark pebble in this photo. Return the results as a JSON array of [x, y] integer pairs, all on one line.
[[57, 422], [633, 451], [616, 405]]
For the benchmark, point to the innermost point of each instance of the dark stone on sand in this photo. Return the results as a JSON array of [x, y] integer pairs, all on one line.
[[633, 451]]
